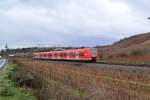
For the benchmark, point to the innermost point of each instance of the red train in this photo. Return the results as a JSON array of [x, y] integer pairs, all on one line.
[[86, 54]]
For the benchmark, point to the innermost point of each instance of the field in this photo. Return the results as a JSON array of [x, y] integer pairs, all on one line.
[[80, 81]]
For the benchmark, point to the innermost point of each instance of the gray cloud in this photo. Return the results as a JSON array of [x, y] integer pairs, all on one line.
[[71, 22]]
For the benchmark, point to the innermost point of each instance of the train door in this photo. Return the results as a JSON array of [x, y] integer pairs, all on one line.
[[77, 55], [94, 54], [67, 55]]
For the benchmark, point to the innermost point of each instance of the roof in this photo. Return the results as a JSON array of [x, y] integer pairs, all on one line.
[[62, 50]]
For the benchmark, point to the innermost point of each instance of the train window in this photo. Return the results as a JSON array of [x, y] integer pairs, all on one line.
[[55, 54], [64, 54], [72, 54], [77, 54], [61, 54], [49, 55], [81, 54]]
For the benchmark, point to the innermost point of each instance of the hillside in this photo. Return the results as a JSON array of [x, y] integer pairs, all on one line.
[[133, 41], [134, 46]]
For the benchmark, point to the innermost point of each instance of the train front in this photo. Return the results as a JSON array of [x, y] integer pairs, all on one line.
[[94, 54]]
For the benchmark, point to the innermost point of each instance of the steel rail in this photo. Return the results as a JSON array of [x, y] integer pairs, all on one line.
[[100, 62]]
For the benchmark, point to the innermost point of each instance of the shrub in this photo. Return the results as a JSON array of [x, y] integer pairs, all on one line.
[[27, 95], [137, 53], [123, 54], [6, 91], [111, 56], [24, 78], [101, 56]]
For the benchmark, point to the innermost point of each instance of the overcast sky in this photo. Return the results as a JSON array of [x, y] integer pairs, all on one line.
[[71, 22]]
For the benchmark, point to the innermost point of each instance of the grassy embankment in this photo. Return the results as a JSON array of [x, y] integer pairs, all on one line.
[[134, 57], [9, 90], [43, 87], [79, 81]]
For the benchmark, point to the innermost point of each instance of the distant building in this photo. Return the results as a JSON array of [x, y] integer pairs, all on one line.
[[11, 55]]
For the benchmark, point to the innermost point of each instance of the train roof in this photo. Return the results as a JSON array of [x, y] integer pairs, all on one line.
[[63, 50]]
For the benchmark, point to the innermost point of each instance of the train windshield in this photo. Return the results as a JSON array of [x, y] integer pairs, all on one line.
[[94, 51]]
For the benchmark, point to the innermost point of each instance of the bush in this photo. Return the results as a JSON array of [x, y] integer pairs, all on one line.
[[24, 78], [111, 56], [27, 95], [101, 56], [137, 53], [123, 54], [6, 91]]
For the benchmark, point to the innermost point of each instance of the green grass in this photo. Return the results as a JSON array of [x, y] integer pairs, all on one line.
[[8, 89]]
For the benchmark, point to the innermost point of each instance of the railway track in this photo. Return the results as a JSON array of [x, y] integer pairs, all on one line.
[[103, 66], [100, 63], [124, 64], [129, 68]]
